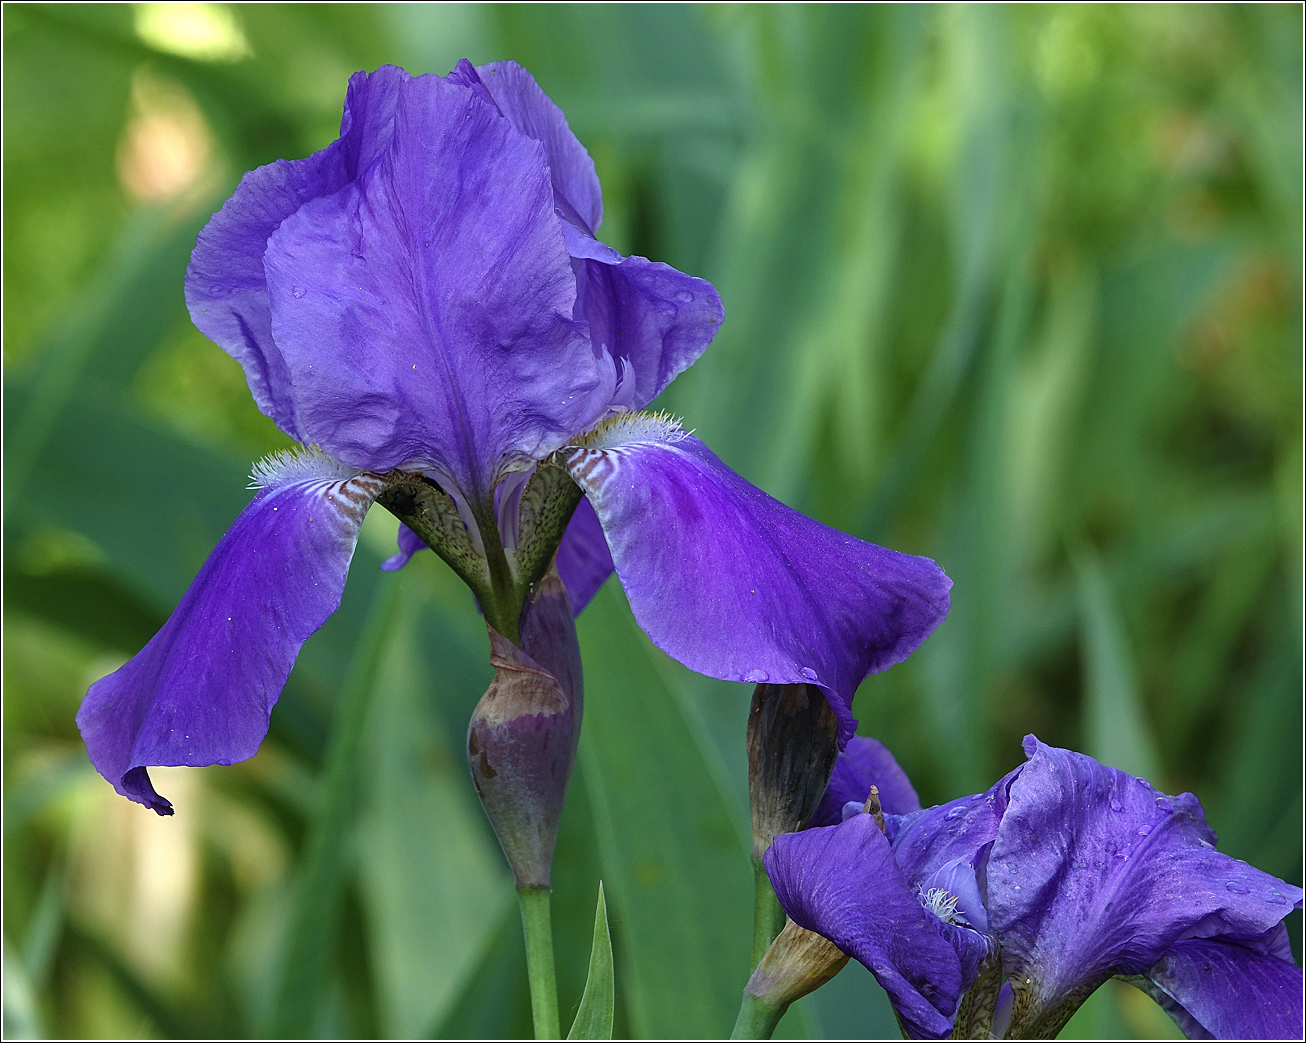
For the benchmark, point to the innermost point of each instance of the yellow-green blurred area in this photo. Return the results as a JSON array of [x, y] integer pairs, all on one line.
[[1014, 288]]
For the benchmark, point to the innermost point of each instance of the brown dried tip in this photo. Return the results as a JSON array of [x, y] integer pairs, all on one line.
[[799, 961], [872, 807]]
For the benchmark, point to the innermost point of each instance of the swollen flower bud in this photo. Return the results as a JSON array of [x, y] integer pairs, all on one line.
[[521, 743], [792, 746]]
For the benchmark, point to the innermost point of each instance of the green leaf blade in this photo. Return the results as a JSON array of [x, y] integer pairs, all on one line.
[[594, 1018]]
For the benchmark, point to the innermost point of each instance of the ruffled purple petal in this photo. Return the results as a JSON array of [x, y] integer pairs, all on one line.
[[584, 561], [1230, 989], [736, 585], [202, 689], [843, 883], [646, 312], [409, 544], [1093, 872], [531, 112], [226, 287], [423, 311], [866, 762]]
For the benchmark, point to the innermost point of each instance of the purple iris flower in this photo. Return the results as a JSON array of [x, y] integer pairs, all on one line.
[[1005, 910], [424, 304]]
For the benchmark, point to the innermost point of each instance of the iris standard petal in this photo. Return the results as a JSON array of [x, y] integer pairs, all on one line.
[[736, 585], [646, 312], [1230, 990], [424, 311], [532, 112], [843, 883], [864, 763], [961, 829], [658, 319], [202, 689], [1093, 873], [584, 561], [226, 286]]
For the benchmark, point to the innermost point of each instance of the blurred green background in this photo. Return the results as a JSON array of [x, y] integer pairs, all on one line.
[[1014, 288]]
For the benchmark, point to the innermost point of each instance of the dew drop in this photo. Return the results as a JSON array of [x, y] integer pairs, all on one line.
[[297, 292], [1278, 899], [1164, 805], [1236, 888], [685, 297], [1015, 887], [1144, 830], [1116, 805], [809, 673], [956, 812]]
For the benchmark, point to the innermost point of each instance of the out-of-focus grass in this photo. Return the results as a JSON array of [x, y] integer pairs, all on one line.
[[1014, 288]]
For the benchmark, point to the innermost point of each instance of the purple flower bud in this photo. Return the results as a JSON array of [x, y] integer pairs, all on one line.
[[521, 743]]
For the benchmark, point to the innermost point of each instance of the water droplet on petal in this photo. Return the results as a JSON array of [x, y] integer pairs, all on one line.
[[685, 297], [297, 292], [1015, 887], [1163, 804], [1116, 805], [1278, 899], [956, 812], [809, 673], [1144, 830], [1237, 888]]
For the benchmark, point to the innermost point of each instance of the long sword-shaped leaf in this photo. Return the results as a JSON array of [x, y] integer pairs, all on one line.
[[594, 1019]]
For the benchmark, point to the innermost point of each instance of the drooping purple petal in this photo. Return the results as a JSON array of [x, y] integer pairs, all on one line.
[[584, 561], [226, 286], [843, 883], [409, 543], [202, 689], [1094, 872], [866, 762], [659, 319], [1230, 989], [533, 113], [424, 310], [738, 586]]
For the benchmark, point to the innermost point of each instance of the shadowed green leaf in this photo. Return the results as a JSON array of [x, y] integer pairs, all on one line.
[[673, 855]]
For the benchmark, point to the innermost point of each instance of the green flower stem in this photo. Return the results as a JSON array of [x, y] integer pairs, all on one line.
[[538, 928], [768, 916], [757, 1020]]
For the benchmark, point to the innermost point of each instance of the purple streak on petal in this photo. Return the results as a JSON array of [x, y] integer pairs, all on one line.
[[1094, 872], [736, 585], [584, 561], [531, 112], [226, 287], [1231, 990], [645, 311], [202, 689], [424, 310], [842, 882], [866, 762], [409, 544]]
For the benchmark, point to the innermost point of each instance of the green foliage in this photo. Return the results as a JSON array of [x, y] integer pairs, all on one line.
[[1015, 288], [594, 1016]]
